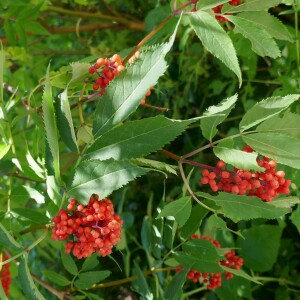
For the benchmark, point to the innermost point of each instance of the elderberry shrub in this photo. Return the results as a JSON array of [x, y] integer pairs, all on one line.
[[5, 277], [214, 280], [218, 9], [90, 228], [265, 185]]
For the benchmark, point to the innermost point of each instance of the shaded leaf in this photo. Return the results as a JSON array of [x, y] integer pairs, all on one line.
[[56, 278], [7, 240], [260, 246], [180, 209], [295, 218], [173, 290], [250, 5], [140, 284], [87, 279], [26, 282], [68, 263], [30, 215]]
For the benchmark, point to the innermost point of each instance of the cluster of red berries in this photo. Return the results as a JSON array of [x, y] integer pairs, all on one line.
[[265, 185], [106, 69], [5, 277], [218, 9], [214, 280], [92, 228]]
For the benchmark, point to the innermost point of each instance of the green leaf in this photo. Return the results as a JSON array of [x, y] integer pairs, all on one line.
[[156, 234], [173, 290], [2, 293], [265, 109], [4, 148], [80, 71], [90, 262], [10, 32], [206, 4], [169, 231], [56, 278], [269, 23], [180, 209], [30, 215], [237, 208], [21, 194], [250, 5], [287, 202], [198, 213], [260, 246], [85, 134], [288, 124], [215, 40], [154, 164], [68, 263], [26, 282], [7, 240], [197, 263], [295, 218], [126, 91], [102, 178], [50, 125], [136, 138], [282, 148], [201, 249], [65, 122], [215, 116], [237, 158], [88, 279], [240, 273], [140, 284], [262, 42]]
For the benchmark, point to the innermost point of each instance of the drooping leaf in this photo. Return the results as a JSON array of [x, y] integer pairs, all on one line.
[[250, 5], [237, 158], [180, 209], [50, 125], [215, 40], [215, 115], [65, 122], [87, 279], [173, 290], [265, 109], [68, 263], [282, 148], [7, 240], [288, 124], [30, 215], [26, 282], [269, 23], [295, 218], [260, 246], [125, 92], [200, 264], [90, 262], [198, 213], [21, 194], [237, 208], [136, 138], [240, 273], [102, 178], [56, 278], [140, 284], [262, 42], [201, 249], [154, 164]]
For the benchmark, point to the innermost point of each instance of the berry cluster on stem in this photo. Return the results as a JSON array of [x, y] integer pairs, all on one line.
[[265, 185], [90, 228], [214, 280], [5, 276]]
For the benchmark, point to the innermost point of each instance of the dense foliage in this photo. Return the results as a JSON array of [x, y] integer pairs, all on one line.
[[149, 149]]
